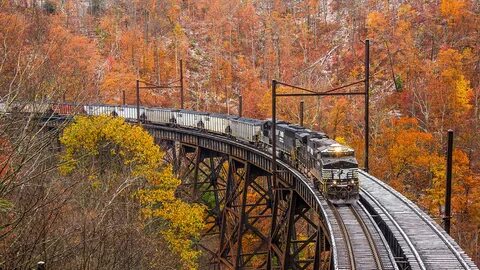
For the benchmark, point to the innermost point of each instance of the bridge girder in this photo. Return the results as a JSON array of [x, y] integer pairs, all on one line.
[[244, 230]]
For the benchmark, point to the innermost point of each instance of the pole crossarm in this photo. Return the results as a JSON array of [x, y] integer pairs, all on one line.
[[320, 94], [296, 87], [331, 92], [325, 93], [149, 85], [160, 87]]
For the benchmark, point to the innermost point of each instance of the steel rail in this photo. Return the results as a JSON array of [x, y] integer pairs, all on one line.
[[418, 213], [346, 237], [377, 229], [369, 237]]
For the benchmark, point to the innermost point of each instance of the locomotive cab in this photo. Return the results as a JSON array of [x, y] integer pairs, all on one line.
[[339, 174]]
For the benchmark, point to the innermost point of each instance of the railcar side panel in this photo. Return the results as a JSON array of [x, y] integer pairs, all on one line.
[[217, 123], [246, 129], [128, 112], [99, 109], [159, 115], [190, 119]]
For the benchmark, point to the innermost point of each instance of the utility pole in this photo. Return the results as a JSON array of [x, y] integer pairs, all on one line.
[[155, 86], [448, 191], [138, 101], [274, 173], [181, 85], [331, 92], [240, 105], [273, 132], [301, 112], [367, 101], [123, 98]]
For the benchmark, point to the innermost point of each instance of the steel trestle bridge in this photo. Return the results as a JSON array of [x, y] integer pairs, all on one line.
[[255, 223]]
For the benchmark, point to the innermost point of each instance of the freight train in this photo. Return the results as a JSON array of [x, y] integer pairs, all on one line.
[[331, 166]]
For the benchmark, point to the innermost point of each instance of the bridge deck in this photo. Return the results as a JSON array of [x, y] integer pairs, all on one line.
[[422, 242], [426, 245]]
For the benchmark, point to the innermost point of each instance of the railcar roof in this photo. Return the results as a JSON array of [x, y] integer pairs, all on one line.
[[221, 115], [318, 135], [267, 123], [321, 140], [163, 109], [129, 106], [295, 126], [193, 112], [284, 126], [269, 120], [249, 120], [326, 142]]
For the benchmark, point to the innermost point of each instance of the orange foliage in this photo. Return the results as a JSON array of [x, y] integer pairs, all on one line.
[[453, 10], [406, 157], [424, 68]]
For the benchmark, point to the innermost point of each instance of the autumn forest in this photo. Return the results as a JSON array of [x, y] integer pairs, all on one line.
[[425, 80]]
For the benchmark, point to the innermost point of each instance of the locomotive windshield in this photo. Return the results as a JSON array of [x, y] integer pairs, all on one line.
[[337, 150]]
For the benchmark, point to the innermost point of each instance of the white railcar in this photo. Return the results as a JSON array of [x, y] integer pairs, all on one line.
[[160, 115], [129, 112], [246, 129], [34, 107], [191, 119], [218, 123], [99, 109]]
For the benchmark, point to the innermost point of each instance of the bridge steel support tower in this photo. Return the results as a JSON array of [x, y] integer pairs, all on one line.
[[242, 231]]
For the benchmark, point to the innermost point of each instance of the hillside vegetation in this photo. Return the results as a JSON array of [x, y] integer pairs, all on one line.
[[425, 75]]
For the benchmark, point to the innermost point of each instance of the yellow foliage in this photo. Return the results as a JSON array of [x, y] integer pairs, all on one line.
[[463, 92], [450, 64], [463, 183], [137, 150]]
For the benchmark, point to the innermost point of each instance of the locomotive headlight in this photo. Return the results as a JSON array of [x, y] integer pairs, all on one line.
[[334, 182], [352, 181]]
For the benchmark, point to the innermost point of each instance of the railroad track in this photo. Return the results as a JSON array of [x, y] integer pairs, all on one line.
[[346, 240], [424, 243], [359, 240]]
